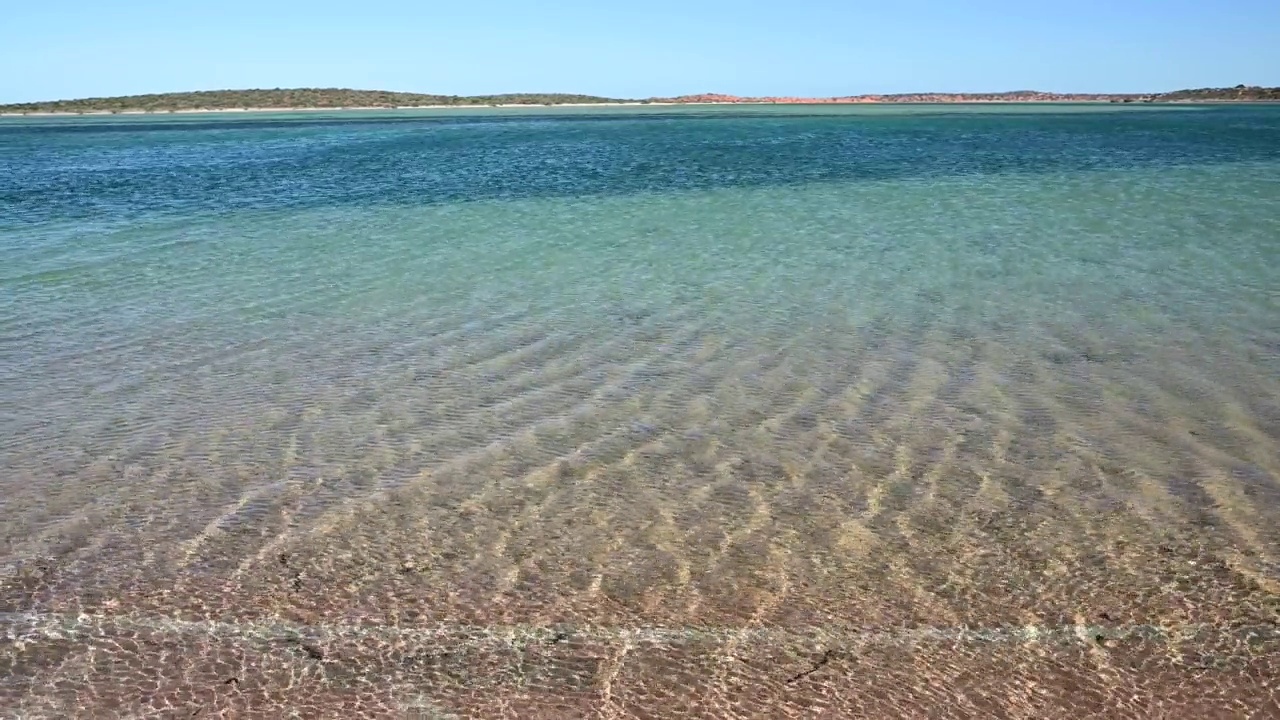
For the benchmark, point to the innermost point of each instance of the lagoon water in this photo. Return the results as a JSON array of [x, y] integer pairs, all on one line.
[[944, 411]]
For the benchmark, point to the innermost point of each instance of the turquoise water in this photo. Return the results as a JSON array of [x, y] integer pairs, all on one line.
[[774, 368]]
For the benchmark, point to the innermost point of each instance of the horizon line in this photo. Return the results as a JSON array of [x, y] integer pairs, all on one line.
[[793, 97]]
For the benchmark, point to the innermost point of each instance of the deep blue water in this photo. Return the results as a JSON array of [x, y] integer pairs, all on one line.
[[103, 169]]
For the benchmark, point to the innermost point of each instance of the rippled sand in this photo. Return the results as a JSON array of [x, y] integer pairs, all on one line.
[[711, 455], [880, 524]]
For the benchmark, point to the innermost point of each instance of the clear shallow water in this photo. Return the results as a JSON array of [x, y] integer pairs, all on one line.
[[653, 381]]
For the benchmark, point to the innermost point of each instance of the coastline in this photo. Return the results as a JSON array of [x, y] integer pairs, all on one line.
[[312, 100], [353, 108], [528, 106]]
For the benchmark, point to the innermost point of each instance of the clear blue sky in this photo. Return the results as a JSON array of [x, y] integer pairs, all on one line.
[[75, 48]]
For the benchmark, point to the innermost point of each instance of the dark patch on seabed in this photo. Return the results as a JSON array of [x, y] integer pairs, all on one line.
[[165, 122], [51, 175]]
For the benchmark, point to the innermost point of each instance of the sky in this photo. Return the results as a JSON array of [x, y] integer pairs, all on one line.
[[58, 49]]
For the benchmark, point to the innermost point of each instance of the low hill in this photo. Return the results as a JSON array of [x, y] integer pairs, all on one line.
[[1238, 93], [292, 98], [335, 98]]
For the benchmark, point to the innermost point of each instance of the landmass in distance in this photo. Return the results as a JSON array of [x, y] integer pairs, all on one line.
[[339, 98]]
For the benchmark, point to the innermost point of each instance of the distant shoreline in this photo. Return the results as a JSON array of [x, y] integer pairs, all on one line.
[[530, 106], [299, 100], [221, 111]]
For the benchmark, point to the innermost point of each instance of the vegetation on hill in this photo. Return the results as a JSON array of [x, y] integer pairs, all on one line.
[[1239, 92], [293, 98], [336, 98]]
